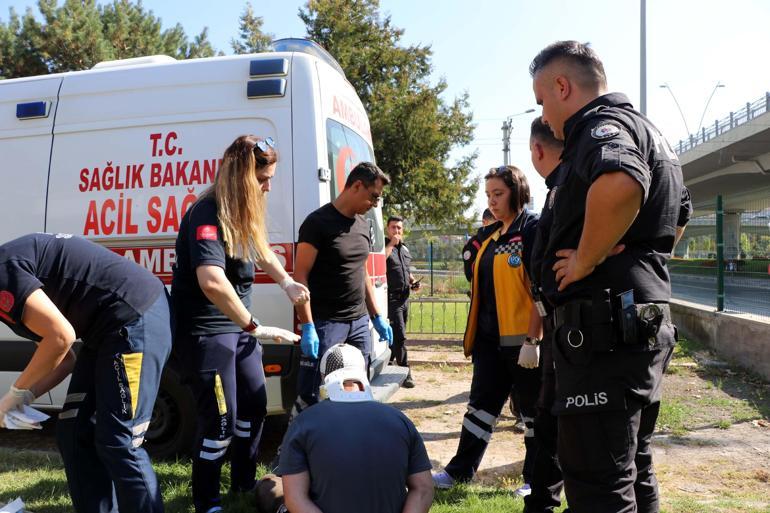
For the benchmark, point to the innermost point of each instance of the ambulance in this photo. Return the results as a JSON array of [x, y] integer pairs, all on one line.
[[117, 154]]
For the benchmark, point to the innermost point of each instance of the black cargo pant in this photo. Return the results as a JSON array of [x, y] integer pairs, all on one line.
[[546, 481], [607, 404], [398, 315], [495, 371]]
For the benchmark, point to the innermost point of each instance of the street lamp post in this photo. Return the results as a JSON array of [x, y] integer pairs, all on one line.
[[706, 108], [507, 134], [681, 114]]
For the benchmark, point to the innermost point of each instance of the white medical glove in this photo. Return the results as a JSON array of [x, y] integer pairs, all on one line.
[[277, 334], [298, 293], [14, 400], [529, 356]]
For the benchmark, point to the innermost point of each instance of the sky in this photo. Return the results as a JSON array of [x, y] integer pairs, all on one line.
[[484, 48]]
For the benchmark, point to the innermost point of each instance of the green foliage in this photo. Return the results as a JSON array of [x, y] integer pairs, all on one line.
[[80, 33], [413, 128], [251, 39]]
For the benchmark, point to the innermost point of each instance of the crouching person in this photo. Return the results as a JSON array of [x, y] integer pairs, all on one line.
[[55, 289], [328, 447]]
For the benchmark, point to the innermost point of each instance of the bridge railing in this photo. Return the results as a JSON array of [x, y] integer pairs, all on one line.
[[743, 115]]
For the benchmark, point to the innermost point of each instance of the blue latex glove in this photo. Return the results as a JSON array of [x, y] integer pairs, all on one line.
[[383, 329], [309, 341]]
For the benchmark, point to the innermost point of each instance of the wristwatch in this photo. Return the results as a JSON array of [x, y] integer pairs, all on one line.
[[251, 326], [532, 341]]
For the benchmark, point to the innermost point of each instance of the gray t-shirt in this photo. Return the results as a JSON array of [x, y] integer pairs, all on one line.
[[359, 456]]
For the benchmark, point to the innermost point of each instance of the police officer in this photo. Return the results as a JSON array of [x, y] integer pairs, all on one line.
[[400, 283], [55, 289], [613, 333], [546, 484]]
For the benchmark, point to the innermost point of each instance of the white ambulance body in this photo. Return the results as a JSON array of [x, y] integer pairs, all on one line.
[[119, 152]]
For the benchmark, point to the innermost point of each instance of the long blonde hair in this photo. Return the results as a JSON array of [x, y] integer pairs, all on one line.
[[241, 204]]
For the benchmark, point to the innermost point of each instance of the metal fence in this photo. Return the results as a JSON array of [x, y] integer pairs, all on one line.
[[723, 260], [743, 115], [441, 306]]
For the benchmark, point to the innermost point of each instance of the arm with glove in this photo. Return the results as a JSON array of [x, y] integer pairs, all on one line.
[[380, 323], [298, 293], [218, 289], [306, 255], [52, 360]]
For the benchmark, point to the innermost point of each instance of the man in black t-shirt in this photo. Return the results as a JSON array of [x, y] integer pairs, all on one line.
[[333, 246], [55, 289], [351, 454], [613, 335], [398, 260]]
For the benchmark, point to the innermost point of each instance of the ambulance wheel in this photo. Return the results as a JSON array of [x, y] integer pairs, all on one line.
[[172, 426]]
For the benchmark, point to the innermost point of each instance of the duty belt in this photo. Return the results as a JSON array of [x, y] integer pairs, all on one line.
[[611, 328]]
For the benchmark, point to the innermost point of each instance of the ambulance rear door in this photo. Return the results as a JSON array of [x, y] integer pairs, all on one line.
[[27, 115]]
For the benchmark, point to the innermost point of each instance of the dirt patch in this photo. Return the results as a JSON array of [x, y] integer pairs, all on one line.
[[721, 444]]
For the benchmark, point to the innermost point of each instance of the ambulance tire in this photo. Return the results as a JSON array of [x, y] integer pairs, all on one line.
[[172, 427]]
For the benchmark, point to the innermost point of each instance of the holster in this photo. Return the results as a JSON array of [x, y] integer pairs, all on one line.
[[602, 324]]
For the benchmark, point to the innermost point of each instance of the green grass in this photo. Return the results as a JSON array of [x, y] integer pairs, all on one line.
[[38, 478], [434, 317]]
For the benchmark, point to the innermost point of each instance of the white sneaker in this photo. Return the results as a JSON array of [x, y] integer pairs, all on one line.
[[523, 491], [442, 480]]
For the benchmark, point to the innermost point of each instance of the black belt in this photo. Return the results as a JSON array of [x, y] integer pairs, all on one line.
[[604, 324], [398, 295]]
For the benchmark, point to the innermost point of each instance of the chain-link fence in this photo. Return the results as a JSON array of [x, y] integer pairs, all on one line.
[[723, 260]]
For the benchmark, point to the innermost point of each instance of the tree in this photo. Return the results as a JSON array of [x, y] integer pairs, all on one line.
[[251, 38], [413, 128], [79, 34]]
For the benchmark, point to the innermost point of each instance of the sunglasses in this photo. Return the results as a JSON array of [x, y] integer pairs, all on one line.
[[265, 144]]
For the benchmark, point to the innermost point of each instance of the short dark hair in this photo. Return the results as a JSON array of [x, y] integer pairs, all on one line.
[[581, 58], [394, 219], [368, 173], [488, 215], [543, 134], [516, 181]]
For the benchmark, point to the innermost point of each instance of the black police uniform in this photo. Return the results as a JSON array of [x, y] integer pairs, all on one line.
[[610, 351], [398, 299], [546, 483]]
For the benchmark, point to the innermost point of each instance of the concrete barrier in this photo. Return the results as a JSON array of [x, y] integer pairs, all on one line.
[[739, 338]]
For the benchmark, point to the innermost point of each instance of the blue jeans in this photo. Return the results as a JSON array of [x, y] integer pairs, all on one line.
[[106, 415], [355, 333]]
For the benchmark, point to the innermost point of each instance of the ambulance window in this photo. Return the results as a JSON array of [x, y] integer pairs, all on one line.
[[346, 149]]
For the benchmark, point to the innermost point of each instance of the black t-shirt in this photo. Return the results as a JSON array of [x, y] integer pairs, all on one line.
[[604, 136], [397, 266], [526, 226], [358, 455], [200, 243], [96, 290], [554, 181], [336, 281]]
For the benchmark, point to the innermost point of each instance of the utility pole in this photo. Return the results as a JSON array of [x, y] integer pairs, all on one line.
[[506, 140], [507, 127], [643, 58]]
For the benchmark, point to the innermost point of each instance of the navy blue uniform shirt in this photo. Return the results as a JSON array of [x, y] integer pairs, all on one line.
[[96, 290], [200, 243]]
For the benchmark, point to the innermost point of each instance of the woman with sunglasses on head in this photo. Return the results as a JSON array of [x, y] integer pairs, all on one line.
[[502, 319], [221, 238]]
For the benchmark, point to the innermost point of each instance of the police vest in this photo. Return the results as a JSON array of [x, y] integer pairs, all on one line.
[[514, 304]]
